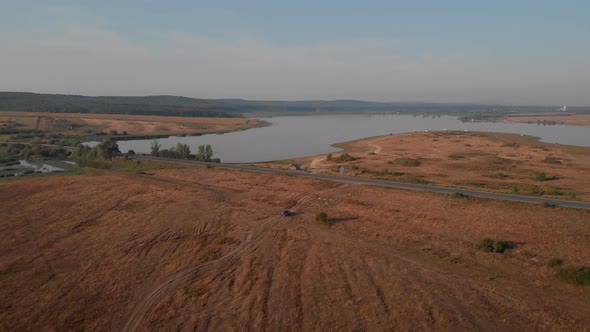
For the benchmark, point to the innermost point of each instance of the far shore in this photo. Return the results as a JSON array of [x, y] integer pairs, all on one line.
[[566, 119]]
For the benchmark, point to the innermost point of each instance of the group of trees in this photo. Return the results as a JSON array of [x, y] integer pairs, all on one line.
[[96, 155], [30, 151], [156, 105], [183, 151]]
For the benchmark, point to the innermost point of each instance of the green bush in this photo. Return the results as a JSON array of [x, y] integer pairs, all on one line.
[[540, 176], [458, 195], [554, 262], [490, 245], [499, 175], [323, 218], [551, 160], [418, 179], [406, 162], [574, 274], [345, 157], [455, 156]]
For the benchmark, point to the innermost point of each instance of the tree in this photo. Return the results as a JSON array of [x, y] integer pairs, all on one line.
[[208, 152], [109, 149], [155, 148], [201, 154], [183, 151]]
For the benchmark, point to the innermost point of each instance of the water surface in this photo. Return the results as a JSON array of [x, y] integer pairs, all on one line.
[[298, 136]]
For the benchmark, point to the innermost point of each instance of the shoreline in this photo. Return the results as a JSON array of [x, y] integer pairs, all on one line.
[[494, 162]]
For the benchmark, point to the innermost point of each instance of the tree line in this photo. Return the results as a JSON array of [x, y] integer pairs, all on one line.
[[183, 151], [32, 102]]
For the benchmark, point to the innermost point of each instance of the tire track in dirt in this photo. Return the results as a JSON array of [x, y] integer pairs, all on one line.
[[201, 271]]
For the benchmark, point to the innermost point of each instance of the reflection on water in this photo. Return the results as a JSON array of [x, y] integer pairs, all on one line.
[[298, 136]]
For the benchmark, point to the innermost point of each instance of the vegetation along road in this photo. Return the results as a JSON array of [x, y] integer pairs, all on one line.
[[382, 183]]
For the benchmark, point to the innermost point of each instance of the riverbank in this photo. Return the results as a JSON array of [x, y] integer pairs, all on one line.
[[495, 162], [135, 125], [557, 118]]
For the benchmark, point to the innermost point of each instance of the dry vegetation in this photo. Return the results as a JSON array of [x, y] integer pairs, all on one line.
[[482, 161], [132, 124], [206, 249], [571, 119]]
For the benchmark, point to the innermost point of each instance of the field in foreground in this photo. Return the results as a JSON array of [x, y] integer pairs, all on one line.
[[207, 249]]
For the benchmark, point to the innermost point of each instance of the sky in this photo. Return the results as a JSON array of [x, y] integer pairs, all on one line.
[[515, 52]]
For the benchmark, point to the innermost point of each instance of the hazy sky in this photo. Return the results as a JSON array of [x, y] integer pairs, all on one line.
[[514, 52]]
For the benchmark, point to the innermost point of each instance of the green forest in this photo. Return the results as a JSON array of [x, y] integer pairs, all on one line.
[[193, 107]]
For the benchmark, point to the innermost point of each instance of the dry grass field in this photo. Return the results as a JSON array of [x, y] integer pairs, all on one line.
[[207, 249], [483, 161], [132, 124]]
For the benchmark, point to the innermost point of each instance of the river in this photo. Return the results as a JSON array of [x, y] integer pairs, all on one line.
[[298, 136]]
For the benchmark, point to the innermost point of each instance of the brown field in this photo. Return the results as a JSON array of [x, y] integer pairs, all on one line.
[[132, 124], [206, 249], [481, 161], [576, 119]]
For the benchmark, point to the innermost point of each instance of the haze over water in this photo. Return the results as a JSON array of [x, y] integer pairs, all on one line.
[[298, 136]]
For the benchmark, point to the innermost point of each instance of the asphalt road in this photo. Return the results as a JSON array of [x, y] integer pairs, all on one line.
[[381, 183]]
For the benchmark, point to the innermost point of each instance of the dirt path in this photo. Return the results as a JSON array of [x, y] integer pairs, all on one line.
[[316, 163]]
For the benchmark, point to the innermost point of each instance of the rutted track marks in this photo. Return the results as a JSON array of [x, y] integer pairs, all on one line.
[[206, 269]]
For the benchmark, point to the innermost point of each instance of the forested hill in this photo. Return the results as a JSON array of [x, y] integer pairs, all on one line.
[[184, 106], [156, 105]]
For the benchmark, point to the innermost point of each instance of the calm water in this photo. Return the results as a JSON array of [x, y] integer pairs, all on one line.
[[298, 136]]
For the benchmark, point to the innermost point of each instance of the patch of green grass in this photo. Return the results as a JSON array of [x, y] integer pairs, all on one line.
[[511, 145], [406, 162], [541, 148], [418, 179], [553, 262], [455, 156], [551, 160], [474, 183], [345, 157], [540, 176], [490, 245], [574, 274], [499, 175], [198, 292]]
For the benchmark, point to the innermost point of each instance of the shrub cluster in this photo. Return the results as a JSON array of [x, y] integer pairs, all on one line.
[[574, 274], [323, 218], [406, 162], [490, 245], [345, 157]]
